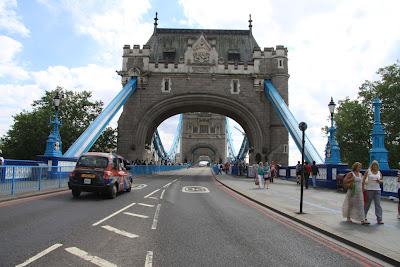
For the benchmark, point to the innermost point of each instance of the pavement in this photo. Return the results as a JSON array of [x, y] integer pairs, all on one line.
[[323, 212], [184, 218]]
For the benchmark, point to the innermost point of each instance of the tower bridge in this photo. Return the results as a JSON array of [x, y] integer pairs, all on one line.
[[225, 72]]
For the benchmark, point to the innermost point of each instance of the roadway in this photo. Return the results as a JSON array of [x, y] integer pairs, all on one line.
[[158, 224]]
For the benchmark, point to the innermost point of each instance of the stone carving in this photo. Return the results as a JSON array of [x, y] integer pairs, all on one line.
[[201, 51]]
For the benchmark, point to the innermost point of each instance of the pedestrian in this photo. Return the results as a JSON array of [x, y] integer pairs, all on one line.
[[267, 174], [353, 207], [371, 183], [314, 173], [1, 159], [298, 172], [274, 171], [219, 169], [307, 172], [398, 192], [260, 174]]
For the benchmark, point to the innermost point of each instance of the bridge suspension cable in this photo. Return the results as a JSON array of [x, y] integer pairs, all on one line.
[[290, 122], [92, 133]]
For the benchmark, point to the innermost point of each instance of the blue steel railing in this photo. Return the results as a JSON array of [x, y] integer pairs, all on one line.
[[21, 179], [151, 169]]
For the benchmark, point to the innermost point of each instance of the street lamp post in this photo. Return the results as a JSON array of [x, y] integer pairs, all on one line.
[[332, 150], [53, 143], [303, 128]]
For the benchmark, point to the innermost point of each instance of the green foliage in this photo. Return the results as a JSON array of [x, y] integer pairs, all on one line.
[[354, 122], [27, 136], [349, 112]]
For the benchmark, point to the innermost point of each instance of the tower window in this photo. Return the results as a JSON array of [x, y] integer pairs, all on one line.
[[235, 86], [166, 85], [280, 63], [203, 129], [212, 130], [195, 129], [233, 55]]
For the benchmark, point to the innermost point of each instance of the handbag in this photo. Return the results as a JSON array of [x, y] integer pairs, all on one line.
[[256, 181], [348, 181]]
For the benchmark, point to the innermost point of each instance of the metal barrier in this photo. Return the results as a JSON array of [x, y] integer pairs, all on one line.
[[151, 169], [20, 179]]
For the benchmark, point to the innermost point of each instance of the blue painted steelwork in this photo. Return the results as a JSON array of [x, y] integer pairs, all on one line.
[[159, 147], [290, 122], [244, 148], [378, 151], [92, 133], [229, 141]]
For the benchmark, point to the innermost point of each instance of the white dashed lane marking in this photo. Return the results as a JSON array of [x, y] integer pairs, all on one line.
[[162, 194], [149, 259], [155, 191], [39, 255], [120, 232], [112, 215], [146, 205], [136, 215], [155, 219], [87, 257], [154, 198]]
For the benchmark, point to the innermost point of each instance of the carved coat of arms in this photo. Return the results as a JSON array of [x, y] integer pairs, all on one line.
[[201, 51]]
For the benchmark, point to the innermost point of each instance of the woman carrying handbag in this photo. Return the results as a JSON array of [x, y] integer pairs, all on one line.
[[371, 183], [353, 207]]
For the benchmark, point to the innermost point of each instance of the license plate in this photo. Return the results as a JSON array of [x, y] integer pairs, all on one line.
[[88, 175], [87, 181]]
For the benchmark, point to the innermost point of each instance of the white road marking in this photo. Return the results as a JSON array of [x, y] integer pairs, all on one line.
[[120, 232], [39, 255], [155, 191], [87, 257], [162, 194], [155, 220], [176, 180], [149, 259], [138, 186], [195, 189], [154, 198], [165, 186], [146, 205], [136, 215], [112, 215]]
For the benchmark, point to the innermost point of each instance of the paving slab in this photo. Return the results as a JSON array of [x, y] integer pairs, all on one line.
[[323, 210]]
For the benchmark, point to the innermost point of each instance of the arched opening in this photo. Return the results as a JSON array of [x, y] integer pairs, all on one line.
[[231, 108]]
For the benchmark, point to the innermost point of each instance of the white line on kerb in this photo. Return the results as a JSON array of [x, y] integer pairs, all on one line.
[[146, 205], [112, 215], [155, 220], [136, 215], [87, 257], [149, 259], [39, 255], [120, 232], [162, 194], [155, 191]]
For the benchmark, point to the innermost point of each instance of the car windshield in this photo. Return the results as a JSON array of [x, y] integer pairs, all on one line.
[[92, 161]]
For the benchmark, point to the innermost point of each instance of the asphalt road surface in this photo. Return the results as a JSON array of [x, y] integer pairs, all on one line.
[[184, 218]]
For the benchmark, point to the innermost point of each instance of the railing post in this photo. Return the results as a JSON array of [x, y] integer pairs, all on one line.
[[13, 180], [59, 176], [40, 178]]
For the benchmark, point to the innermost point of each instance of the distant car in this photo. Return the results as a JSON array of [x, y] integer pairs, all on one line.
[[104, 173]]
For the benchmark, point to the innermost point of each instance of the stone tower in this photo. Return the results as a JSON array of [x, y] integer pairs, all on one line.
[[204, 70], [203, 134]]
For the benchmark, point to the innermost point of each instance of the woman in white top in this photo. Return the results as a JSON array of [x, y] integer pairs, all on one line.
[[353, 203], [371, 183]]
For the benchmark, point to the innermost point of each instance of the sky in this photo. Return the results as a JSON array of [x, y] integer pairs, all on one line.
[[333, 47]]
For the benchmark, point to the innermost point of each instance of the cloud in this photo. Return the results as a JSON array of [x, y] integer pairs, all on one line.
[[333, 46], [9, 68], [9, 20]]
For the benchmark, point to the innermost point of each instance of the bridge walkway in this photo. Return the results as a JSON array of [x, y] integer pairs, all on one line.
[[323, 211]]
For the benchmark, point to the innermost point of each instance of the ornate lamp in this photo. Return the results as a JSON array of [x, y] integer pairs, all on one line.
[[53, 143], [332, 150]]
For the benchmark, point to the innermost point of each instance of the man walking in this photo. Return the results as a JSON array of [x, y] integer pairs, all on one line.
[[314, 173]]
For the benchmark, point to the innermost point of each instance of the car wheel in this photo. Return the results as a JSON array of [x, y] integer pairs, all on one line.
[[113, 191], [76, 193]]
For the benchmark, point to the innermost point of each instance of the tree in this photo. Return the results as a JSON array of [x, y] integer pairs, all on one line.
[[353, 115], [27, 137], [353, 121]]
